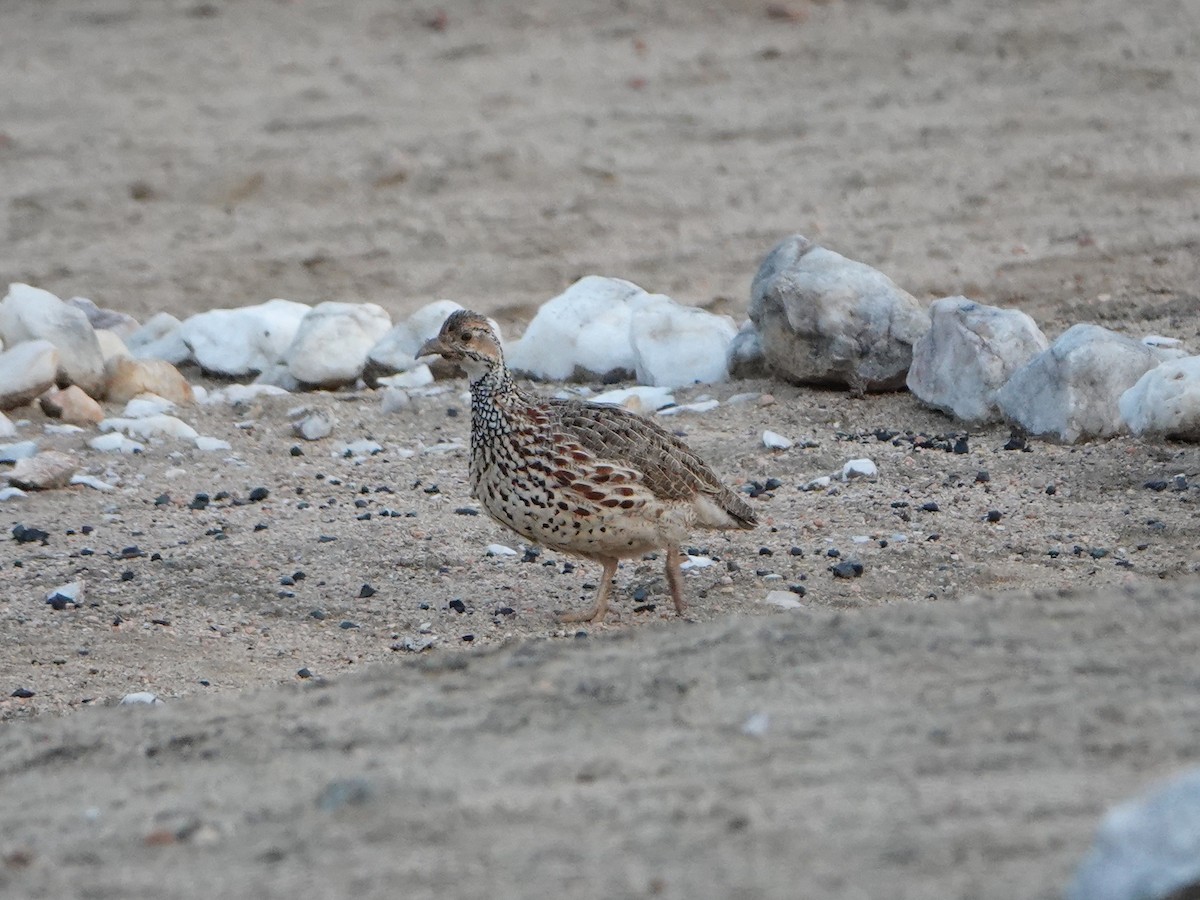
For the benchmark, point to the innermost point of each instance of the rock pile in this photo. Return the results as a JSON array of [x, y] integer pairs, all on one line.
[[815, 317]]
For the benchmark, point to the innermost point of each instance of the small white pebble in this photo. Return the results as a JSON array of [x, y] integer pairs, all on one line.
[[859, 468], [145, 698], [782, 599], [207, 444], [773, 441], [696, 562], [499, 550], [92, 482], [756, 725]]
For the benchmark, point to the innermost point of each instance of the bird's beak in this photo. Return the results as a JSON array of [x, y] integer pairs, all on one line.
[[431, 347]]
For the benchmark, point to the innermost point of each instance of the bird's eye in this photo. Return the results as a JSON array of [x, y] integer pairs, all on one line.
[[466, 337]]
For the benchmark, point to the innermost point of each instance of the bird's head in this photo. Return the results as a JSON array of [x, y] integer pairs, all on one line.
[[468, 339]]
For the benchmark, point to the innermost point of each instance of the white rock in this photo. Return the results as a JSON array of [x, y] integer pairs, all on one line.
[[640, 399], [146, 405], [756, 725], [19, 450], [581, 334], [151, 426], [43, 472], [745, 358], [115, 442], [1071, 390], [442, 448], [969, 352], [700, 406], [859, 468], [773, 441], [1147, 848], [394, 400], [1165, 401], [414, 377], [280, 376], [677, 345], [160, 338], [782, 599], [696, 562], [7, 428], [29, 314], [499, 550], [362, 447], [1166, 343], [331, 345], [111, 344], [11, 493], [817, 484], [396, 351], [826, 319], [50, 428], [313, 427], [71, 592], [210, 444], [27, 371], [242, 341], [92, 482], [140, 698], [234, 394]]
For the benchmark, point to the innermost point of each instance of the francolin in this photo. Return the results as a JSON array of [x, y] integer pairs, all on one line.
[[584, 478]]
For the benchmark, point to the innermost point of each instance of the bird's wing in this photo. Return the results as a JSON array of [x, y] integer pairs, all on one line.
[[667, 466]]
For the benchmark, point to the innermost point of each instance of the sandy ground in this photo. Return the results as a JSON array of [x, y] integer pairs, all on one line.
[[951, 723]]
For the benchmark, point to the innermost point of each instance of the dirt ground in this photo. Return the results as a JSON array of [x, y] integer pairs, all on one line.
[[951, 723]]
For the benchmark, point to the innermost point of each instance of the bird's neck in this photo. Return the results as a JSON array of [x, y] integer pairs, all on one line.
[[492, 386]]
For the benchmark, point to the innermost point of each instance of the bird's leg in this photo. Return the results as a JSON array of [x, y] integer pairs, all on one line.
[[675, 577], [596, 613]]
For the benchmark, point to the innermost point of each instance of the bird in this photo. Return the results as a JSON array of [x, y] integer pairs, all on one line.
[[593, 480]]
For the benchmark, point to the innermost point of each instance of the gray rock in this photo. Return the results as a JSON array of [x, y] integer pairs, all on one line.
[[30, 314], [7, 428], [331, 345], [121, 324], [1165, 401], [828, 320], [1070, 391], [746, 359], [1146, 849], [243, 341], [27, 371], [969, 352]]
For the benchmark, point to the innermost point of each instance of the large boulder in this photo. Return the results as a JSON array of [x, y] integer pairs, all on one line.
[[1165, 401], [582, 334], [1071, 390], [27, 371], [396, 350], [238, 342], [828, 320], [331, 345], [29, 313], [1146, 849], [675, 345], [968, 353]]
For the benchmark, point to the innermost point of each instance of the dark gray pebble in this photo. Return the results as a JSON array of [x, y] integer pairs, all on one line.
[[847, 569]]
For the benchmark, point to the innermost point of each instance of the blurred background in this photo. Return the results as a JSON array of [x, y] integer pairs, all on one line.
[[183, 156]]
